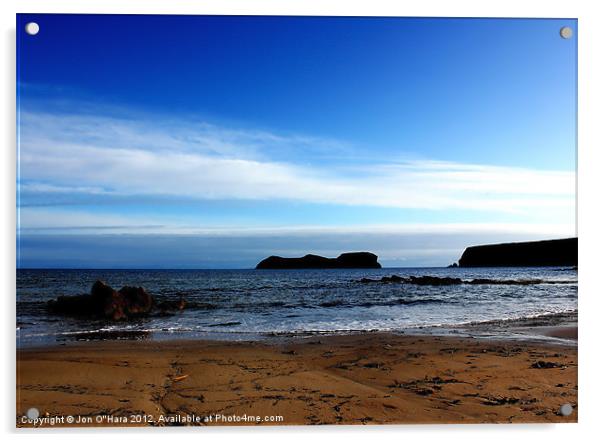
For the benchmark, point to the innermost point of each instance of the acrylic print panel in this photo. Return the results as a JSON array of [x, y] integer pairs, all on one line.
[[295, 220]]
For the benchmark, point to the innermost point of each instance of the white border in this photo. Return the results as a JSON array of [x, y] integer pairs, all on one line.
[[590, 222]]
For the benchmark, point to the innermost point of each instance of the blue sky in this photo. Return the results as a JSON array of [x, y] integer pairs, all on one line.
[[242, 137]]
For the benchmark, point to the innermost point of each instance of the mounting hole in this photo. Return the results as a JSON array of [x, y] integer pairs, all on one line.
[[566, 410], [33, 413], [32, 28], [566, 32]]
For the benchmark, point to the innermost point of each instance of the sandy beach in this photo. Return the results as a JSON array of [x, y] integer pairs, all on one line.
[[370, 378]]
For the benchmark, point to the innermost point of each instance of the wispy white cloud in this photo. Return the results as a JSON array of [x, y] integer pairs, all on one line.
[[64, 221], [117, 159], [93, 154]]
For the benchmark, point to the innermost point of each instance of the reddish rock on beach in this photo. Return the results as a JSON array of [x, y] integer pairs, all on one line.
[[106, 302]]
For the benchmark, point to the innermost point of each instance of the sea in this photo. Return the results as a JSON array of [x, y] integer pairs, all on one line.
[[262, 304]]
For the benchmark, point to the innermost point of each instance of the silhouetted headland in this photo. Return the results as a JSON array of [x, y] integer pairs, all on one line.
[[556, 252], [356, 260]]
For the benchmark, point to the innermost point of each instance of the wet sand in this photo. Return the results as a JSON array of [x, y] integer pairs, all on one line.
[[563, 332], [358, 379]]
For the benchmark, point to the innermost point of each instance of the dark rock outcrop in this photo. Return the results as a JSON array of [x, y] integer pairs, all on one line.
[[356, 260], [557, 252], [105, 302], [417, 280], [436, 280]]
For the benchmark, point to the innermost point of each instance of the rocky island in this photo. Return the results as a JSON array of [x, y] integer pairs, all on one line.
[[355, 260], [556, 252]]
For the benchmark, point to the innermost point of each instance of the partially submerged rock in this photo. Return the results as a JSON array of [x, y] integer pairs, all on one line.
[[484, 281], [417, 280], [105, 302], [436, 280], [166, 307]]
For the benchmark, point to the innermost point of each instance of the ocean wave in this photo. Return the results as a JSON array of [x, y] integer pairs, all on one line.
[[225, 324], [229, 330], [528, 320], [390, 302], [195, 305]]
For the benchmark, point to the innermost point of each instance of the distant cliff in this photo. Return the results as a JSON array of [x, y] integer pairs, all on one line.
[[357, 260], [557, 252]]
